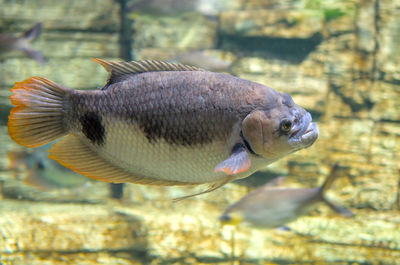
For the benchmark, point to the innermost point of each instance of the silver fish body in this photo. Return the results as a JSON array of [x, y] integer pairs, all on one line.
[[201, 59], [271, 207], [22, 43], [177, 7], [166, 127], [42, 172]]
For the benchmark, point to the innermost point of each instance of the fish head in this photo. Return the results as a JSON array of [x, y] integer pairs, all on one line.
[[231, 218], [280, 129]]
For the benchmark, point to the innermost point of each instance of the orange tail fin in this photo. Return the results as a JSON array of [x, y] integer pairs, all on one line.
[[37, 118]]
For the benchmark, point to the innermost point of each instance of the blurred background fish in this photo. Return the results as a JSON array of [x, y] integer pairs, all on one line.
[[21, 43], [176, 7], [211, 59], [35, 168], [271, 207], [205, 60]]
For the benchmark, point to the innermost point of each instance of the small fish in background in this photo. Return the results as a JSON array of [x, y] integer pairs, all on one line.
[[41, 172], [212, 60], [202, 59], [273, 207], [22, 43], [159, 123], [209, 8]]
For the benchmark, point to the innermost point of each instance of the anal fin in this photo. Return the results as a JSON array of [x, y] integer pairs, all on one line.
[[212, 187], [72, 153]]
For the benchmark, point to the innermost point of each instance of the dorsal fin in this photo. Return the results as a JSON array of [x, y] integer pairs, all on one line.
[[119, 69]]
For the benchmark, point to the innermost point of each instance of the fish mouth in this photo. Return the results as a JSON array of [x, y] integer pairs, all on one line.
[[294, 133], [306, 132], [311, 134], [311, 129]]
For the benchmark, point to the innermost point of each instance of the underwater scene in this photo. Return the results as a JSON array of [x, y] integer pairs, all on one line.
[[222, 132]]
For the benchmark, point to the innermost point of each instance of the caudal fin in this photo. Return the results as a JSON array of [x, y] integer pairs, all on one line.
[[34, 54], [330, 179], [328, 182], [33, 32], [37, 118]]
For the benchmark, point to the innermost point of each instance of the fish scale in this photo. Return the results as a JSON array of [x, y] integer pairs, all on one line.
[[183, 130], [160, 158]]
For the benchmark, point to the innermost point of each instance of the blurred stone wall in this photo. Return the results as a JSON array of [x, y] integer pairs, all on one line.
[[338, 59]]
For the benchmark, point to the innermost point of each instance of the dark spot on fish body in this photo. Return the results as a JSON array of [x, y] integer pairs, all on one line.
[[92, 127], [185, 129]]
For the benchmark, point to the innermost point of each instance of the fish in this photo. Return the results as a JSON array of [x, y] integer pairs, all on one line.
[[22, 43], [273, 207], [160, 123], [167, 7], [41, 172], [209, 8], [201, 59], [206, 59]]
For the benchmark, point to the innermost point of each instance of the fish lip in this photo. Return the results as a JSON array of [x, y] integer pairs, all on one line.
[[294, 133], [310, 128], [311, 134]]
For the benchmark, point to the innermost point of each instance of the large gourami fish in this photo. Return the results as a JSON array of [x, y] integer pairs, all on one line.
[[161, 123], [270, 207]]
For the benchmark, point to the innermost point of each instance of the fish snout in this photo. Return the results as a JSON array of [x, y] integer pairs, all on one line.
[[310, 135], [231, 219], [225, 218], [304, 132]]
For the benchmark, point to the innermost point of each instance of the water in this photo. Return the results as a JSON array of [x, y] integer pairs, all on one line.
[[338, 59]]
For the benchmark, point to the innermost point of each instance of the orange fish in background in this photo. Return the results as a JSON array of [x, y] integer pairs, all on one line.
[[161, 123], [22, 43]]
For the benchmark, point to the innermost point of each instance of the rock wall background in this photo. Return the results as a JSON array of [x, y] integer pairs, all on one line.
[[338, 59]]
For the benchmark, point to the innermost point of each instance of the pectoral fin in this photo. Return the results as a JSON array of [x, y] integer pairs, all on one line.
[[237, 163]]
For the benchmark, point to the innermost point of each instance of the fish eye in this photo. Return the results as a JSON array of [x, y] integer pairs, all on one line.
[[40, 165], [286, 125]]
